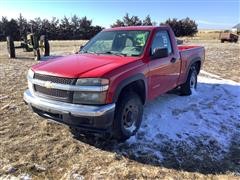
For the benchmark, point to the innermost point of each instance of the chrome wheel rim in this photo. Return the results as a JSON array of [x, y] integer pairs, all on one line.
[[130, 115]]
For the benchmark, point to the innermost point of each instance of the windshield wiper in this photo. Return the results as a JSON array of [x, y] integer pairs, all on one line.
[[107, 52], [134, 55], [89, 52], [113, 53]]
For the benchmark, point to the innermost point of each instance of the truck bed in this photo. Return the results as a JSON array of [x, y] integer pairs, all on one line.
[[188, 54], [185, 47]]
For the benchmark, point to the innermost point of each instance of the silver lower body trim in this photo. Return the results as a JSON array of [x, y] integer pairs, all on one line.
[[66, 108]]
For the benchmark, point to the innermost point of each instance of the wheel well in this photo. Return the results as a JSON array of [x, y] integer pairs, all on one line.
[[137, 87], [198, 66]]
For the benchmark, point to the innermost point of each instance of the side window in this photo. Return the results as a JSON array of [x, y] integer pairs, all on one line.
[[162, 40]]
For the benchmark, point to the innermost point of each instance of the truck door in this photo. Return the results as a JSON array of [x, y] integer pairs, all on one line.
[[163, 72]]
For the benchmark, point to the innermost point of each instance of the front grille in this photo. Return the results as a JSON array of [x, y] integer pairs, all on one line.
[[51, 92], [54, 79], [57, 94]]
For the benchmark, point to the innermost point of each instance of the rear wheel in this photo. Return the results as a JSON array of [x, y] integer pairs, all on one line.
[[222, 41], [190, 85], [10, 47], [128, 116]]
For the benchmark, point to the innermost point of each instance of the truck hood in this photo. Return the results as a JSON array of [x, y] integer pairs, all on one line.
[[82, 65]]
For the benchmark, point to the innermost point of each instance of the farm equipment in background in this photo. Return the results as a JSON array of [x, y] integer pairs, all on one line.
[[31, 43], [228, 36], [179, 41]]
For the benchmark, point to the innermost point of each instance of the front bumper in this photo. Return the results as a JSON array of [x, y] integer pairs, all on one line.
[[96, 118]]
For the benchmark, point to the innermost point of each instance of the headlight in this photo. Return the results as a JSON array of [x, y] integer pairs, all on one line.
[[96, 91], [92, 82], [89, 97]]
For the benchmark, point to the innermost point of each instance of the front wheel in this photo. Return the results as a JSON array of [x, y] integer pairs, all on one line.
[[190, 85], [128, 116]]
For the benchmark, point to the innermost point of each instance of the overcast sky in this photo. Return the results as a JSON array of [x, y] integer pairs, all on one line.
[[209, 14]]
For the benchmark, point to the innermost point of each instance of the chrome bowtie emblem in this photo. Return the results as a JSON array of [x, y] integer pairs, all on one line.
[[48, 85]]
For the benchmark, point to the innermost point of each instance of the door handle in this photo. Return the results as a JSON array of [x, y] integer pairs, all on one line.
[[173, 60]]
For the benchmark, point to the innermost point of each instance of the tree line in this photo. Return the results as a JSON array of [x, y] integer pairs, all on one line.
[[55, 29], [182, 27], [81, 27]]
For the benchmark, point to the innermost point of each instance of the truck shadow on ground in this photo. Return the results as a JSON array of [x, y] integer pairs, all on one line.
[[201, 135]]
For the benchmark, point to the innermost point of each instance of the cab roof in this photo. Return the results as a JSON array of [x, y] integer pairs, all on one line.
[[137, 28]]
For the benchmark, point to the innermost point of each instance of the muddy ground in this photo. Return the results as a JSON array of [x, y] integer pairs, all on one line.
[[32, 147]]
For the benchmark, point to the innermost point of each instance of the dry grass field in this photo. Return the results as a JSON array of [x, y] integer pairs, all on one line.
[[32, 147]]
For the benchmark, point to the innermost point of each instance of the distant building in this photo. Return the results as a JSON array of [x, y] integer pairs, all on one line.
[[236, 28]]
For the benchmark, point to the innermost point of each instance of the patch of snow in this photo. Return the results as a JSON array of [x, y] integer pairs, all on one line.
[[76, 176], [39, 168], [72, 175], [25, 177], [211, 114]]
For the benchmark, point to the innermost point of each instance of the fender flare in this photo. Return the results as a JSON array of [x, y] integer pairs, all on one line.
[[194, 60], [128, 81]]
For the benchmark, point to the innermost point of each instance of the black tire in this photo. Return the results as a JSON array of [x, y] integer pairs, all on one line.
[[35, 42], [222, 41], [44, 46], [10, 47], [191, 83], [128, 116], [37, 54]]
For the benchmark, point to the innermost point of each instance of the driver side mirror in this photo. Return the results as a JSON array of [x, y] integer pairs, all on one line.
[[160, 53]]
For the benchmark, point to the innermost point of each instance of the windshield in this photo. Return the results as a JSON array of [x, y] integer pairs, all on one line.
[[126, 43]]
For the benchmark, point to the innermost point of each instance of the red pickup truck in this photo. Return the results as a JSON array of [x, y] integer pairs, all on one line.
[[104, 87]]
